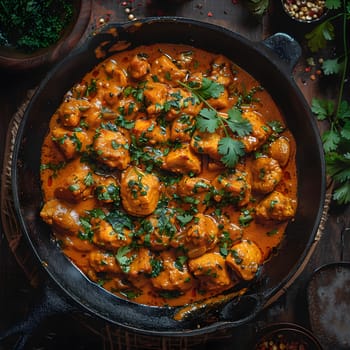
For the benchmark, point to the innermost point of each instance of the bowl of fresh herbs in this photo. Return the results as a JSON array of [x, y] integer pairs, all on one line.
[[38, 32]]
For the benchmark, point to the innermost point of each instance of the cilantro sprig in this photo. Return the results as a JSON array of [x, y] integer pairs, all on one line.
[[210, 120], [336, 139]]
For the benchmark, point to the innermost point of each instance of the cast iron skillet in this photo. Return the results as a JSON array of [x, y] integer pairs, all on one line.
[[274, 74]]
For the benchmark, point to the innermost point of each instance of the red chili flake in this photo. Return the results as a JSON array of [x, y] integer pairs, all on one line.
[[210, 14], [307, 69], [49, 181], [95, 73]]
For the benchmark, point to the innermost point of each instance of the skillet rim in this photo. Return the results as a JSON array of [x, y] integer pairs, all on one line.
[[285, 74]]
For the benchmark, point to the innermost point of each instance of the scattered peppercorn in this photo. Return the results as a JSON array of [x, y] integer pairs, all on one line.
[[304, 10]]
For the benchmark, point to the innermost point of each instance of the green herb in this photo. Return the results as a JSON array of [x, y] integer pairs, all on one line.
[[257, 7], [209, 120], [54, 167], [157, 267], [336, 139], [33, 24], [122, 258]]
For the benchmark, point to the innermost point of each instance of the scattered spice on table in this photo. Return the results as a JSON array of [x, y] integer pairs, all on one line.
[[35, 24]]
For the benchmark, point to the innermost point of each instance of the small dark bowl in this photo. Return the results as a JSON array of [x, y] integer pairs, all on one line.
[[286, 333], [17, 60], [320, 17]]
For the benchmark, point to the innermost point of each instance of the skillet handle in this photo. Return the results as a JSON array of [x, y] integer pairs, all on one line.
[[287, 48], [49, 303]]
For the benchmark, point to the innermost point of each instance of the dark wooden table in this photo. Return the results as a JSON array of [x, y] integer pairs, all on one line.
[[16, 290]]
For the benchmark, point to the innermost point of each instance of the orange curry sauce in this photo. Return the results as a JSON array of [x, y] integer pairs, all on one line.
[[168, 175]]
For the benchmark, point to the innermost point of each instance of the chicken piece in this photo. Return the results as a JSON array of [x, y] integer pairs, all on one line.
[[266, 174], [182, 160], [260, 132], [155, 95], [201, 235], [107, 190], [149, 132], [211, 270], [173, 276], [111, 95], [182, 128], [70, 143], [234, 187], [103, 262], [112, 148], [179, 102], [207, 143], [221, 71], [73, 185], [139, 192], [229, 232], [141, 264], [61, 217], [166, 71], [280, 150], [115, 73], [139, 67], [159, 230], [221, 102], [276, 206], [105, 236], [189, 186], [129, 107], [245, 258], [71, 111]]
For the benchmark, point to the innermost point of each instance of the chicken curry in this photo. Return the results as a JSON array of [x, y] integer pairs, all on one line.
[[168, 175]]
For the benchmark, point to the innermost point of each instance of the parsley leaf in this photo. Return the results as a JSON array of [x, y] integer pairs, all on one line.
[[322, 108], [239, 125], [333, 4], [122, 258], [231, 150], [207, 120], [209, 89], [331, 66], [318, 37]]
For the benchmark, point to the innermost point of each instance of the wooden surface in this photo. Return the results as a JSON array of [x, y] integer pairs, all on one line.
[[17, 293]]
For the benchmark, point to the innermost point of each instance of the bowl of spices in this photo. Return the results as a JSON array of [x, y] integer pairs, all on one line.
[[286, 336], [38, 32], [305, 11]]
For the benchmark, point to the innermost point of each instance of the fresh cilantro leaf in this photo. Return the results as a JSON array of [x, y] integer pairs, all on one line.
[[342, 193], [333, 4], [330, 140], [239, 125], [322, 108], [338, 166], [318, 37], [209, 89], [184, 219], [344, 110], [331, 66], [231, 150], [119, 221], [257, 7], [122, 258], [345, 131], [207, 120]]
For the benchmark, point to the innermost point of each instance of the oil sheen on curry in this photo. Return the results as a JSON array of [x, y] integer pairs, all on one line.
[[168, 175]]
